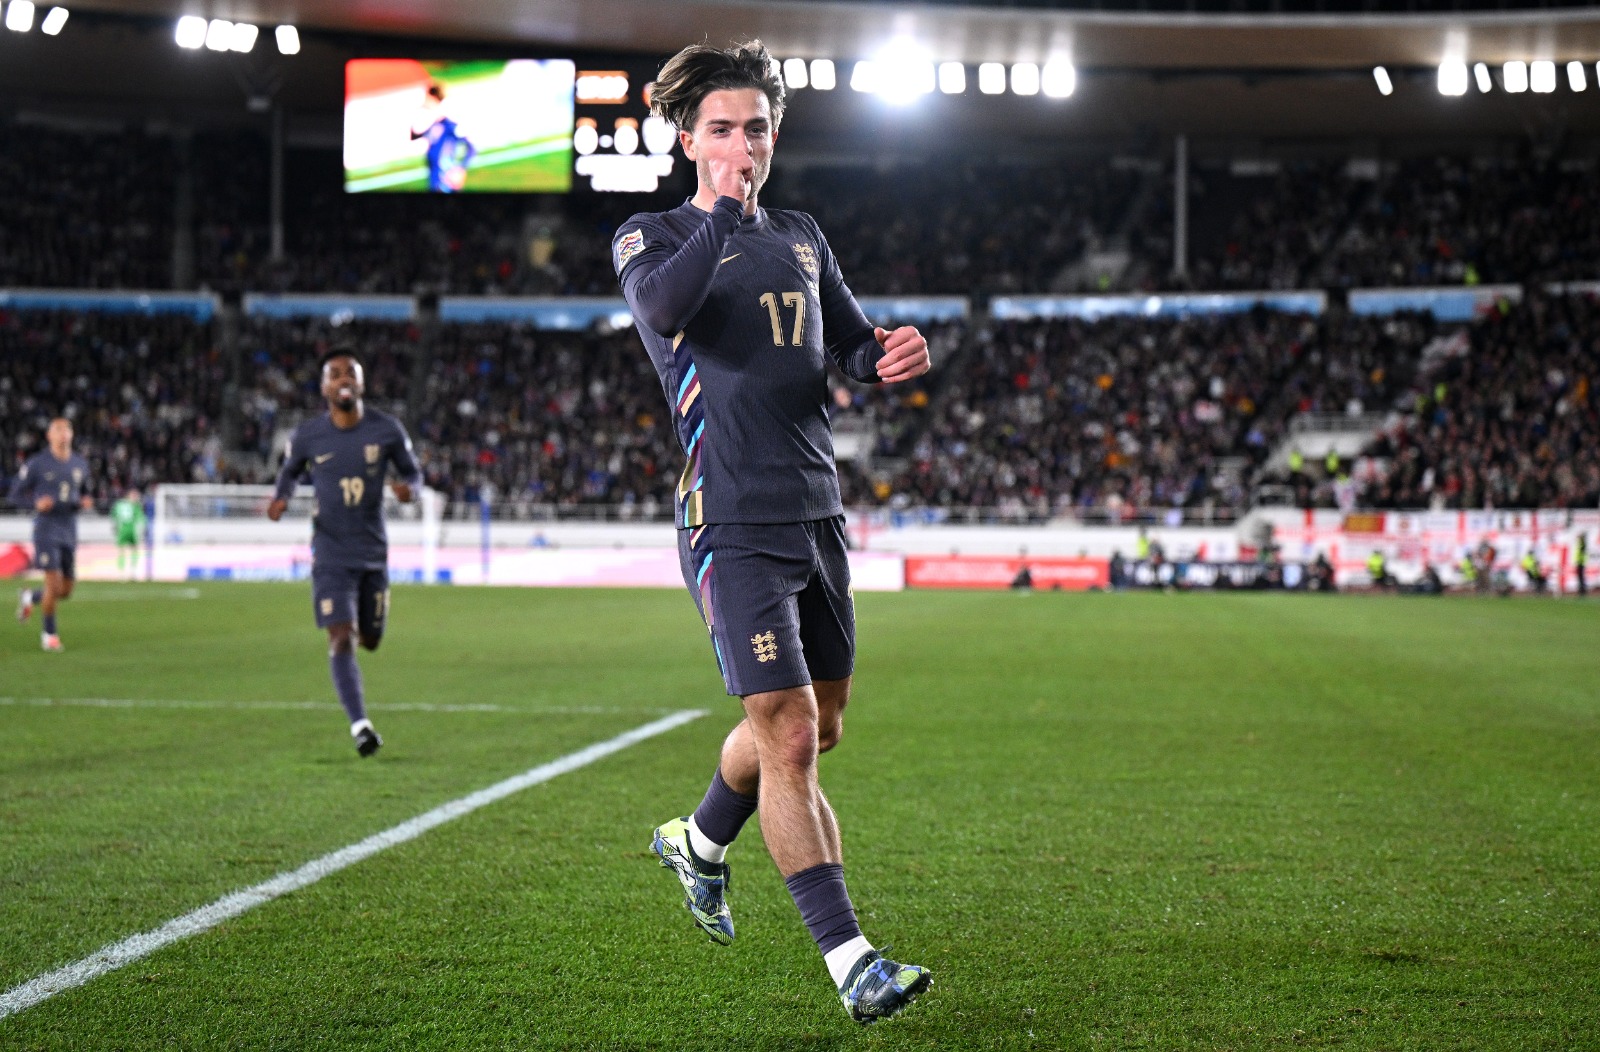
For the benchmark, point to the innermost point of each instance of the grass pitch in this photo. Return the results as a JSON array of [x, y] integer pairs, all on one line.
[[1104, 821]]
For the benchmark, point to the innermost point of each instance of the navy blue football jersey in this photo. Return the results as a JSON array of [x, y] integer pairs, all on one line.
[[739, 315], [347, 469], [45, 476]]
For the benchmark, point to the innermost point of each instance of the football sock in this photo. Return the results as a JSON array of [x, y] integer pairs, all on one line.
[[36, 596], [825, 907], [347, 681], [841, 959], [716, 822], [360, 725], [49, 624]]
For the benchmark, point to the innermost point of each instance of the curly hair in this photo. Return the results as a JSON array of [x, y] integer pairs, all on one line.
[[699, 69]]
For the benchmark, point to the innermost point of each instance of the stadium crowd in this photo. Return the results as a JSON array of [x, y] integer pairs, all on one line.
[[1511, 423], [973, 228]]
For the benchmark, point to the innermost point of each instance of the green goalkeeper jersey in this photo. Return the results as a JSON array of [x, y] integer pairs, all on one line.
[[128, 518]]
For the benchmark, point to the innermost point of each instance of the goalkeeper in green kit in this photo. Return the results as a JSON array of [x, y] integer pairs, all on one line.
[[127, 520]]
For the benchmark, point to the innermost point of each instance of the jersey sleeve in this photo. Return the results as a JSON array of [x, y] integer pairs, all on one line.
[[293, 464], [665, 284], [22, 487], [846, 331], [403, 457]]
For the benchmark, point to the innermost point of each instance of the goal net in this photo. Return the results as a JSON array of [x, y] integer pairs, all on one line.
[[206, 531]]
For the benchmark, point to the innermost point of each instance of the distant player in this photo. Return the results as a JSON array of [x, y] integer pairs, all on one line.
[[348, 454], [51, 483], [740, 309], [449, 152], [127, 522]]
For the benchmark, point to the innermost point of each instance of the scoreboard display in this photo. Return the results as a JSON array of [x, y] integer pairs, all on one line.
[[525, 125]]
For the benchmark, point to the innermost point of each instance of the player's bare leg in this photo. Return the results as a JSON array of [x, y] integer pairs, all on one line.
[[347, 682]]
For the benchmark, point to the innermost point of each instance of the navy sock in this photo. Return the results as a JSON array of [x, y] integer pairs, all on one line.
[[825, 905], [37, 596], [723, 812], [49, 624], [347, 681]]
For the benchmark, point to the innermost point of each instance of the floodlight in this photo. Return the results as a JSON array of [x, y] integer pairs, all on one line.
[[1452, 77], [1385, 85], [1025, 78], [191, 32], [1514, 75], [992, 78], [952, 78], [1542, 76], [794, 72], [243, 37], [19, 15], [864, 77], [1485, 82], [53, 21], [1575, 76], [1059, 79], [822, 75], [219, 34], [903, 74], [288, 40]]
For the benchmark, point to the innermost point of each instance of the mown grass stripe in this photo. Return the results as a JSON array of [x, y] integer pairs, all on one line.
[[110, 958]]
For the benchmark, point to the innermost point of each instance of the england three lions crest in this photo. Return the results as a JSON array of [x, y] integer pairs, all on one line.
[[807, 255], [373, 453]]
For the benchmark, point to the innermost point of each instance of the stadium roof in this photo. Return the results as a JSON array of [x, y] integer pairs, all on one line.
[[1269, 34]]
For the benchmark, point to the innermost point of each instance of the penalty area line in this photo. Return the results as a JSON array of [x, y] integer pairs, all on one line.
[[110, 958]]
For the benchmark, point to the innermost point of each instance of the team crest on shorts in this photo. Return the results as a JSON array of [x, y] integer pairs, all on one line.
[[765, 647], [807, 255], [327, 607], [630, 245], [373, 453]]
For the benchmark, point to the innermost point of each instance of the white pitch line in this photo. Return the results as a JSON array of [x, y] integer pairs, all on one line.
[[110, 958], [397, 706]]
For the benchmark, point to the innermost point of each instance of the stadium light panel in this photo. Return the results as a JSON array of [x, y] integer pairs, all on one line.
[[19, 15], [191, 32], [1452, 77], [952, 78], [903, 74], [864, 77], [243, 37], [1025, 78], [1514, 75], [288, 40], [658, 135], [219, 34], [1058, 79], [1485, 81], [54, 21], [794, 73], [1542, 77], [992, 78], [823, 77], [1577, 79], [1385, 85]]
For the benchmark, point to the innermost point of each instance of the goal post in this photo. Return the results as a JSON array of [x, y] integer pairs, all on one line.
[[221, 532]]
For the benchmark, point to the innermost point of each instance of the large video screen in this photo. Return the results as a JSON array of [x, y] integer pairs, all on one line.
[[415, 126]]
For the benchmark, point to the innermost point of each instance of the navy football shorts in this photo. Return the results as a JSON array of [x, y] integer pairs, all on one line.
[[52, 557], [344, 595], [776, 599]]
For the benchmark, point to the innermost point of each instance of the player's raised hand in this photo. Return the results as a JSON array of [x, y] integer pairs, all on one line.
[[730, 176], [905, 354], [276, 508]]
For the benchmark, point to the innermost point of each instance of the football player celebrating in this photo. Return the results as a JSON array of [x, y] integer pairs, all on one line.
[[348, 453], [740, 307]]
